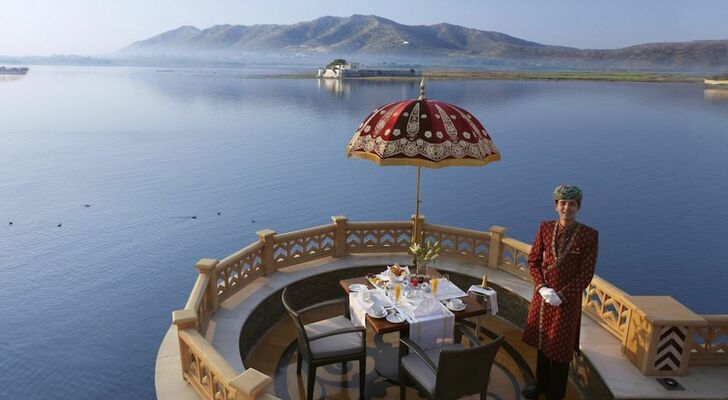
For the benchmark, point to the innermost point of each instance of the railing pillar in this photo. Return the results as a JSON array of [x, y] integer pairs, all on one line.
[[267, 236], [250, 384], [184, 319], [340, 235], [208, 266], [420, 229], [494, 250], [660, 335]]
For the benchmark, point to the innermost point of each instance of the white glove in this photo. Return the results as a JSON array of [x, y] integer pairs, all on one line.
[[546, 292], [549, 295], [554, 300]]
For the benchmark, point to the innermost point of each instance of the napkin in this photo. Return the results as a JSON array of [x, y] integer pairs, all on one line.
[[491, 294], [375, 296], [430, 323], [428, 306]]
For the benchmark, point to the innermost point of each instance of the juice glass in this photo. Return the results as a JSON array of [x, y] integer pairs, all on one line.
[[433, 283], [397, 292]]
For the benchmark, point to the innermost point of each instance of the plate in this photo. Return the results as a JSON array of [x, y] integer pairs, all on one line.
[[395, 318], [461, 308], [382, 315], [376, 281], [356, 287]]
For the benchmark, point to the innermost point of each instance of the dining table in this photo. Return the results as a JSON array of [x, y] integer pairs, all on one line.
[[387, 361]]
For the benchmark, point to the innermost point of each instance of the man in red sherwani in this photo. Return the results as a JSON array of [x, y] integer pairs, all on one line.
[[561, 263]]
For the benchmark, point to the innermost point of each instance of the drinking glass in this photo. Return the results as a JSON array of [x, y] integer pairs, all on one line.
[[433, 283], [397, 292]]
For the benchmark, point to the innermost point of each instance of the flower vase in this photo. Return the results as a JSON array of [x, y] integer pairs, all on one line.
[[421, 270]]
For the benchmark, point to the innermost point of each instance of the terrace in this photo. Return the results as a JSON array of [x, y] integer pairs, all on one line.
[[233, 340]]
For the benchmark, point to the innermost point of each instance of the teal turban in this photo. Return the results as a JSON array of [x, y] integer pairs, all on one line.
[[568, 192]]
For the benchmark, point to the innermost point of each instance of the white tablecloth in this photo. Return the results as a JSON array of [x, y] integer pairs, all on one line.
[[358, 307], [429, 331], [447, 290]]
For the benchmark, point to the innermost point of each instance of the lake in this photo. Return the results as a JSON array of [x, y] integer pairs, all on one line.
[[84, 306]]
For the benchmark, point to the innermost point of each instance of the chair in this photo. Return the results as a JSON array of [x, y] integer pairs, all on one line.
[[327, 341], [451, 371]]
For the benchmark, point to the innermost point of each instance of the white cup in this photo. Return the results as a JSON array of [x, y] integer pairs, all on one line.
[[377, 309], [456, 303]]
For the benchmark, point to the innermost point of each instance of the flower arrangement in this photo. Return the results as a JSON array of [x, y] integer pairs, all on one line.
[[423, 254]]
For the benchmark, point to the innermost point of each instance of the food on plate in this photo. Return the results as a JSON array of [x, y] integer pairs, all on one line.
[[396, 270], [376, 281]]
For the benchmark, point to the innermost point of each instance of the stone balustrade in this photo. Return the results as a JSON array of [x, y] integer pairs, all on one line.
[[650, 338], [608, 306], [377, 237], [710, 343], [237, 270], [459, 243]]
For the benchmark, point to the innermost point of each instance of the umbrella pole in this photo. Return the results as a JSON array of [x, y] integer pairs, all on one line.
[[415, 231]]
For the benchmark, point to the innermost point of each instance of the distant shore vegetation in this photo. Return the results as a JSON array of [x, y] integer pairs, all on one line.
[[617, 76]]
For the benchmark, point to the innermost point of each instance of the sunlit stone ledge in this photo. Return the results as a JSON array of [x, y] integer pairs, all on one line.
[[622, 345]]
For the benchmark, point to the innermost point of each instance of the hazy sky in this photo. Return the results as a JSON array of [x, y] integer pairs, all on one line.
[[94, 27]]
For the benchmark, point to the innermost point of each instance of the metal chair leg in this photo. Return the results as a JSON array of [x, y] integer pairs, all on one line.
[[298, 364], [311, 382], [362, 376], [402, 383]]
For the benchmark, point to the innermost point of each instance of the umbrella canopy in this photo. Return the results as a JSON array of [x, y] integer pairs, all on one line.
[[424, 133]]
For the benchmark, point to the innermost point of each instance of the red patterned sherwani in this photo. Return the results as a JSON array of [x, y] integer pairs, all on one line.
[[555, 329]]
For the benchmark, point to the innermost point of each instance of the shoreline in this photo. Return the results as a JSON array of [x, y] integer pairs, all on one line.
[[609, 76]]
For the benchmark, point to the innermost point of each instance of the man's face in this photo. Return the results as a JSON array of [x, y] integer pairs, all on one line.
[[567, 209]]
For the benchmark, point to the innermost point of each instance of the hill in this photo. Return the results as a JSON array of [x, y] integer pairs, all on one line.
[[373, 35]]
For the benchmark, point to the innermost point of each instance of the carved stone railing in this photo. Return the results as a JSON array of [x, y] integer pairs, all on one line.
[[198, 302], [458, 243], [710, 343], [207, 371], [304, 245], [378, 237], [608, 306], [238, 270], [514, 258], [639, 330]]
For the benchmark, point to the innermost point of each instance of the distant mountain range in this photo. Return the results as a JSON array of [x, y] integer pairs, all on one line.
[[373, 35]]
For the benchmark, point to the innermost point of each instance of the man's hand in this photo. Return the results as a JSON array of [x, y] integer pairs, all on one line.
[[545, 292], [549, 296], [554, 300]]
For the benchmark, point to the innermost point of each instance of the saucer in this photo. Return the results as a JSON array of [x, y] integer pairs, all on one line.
[[382, 315], [395, 318], [450, 307], [356, 287]]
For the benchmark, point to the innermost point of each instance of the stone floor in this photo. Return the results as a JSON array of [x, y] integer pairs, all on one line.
[[276, 353]]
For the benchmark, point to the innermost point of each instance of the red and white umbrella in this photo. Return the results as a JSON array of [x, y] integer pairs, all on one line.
[[424, 133]]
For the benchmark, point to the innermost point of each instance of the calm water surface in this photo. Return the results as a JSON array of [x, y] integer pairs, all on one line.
[[83, 307]]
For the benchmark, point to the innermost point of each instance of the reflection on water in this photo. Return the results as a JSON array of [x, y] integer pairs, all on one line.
[[338, 87], [10, 78], [716, 94]]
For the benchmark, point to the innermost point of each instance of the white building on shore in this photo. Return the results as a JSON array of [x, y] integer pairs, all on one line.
[[340, 68]]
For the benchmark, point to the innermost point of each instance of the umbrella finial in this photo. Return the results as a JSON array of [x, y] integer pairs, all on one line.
[[422, 89]]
